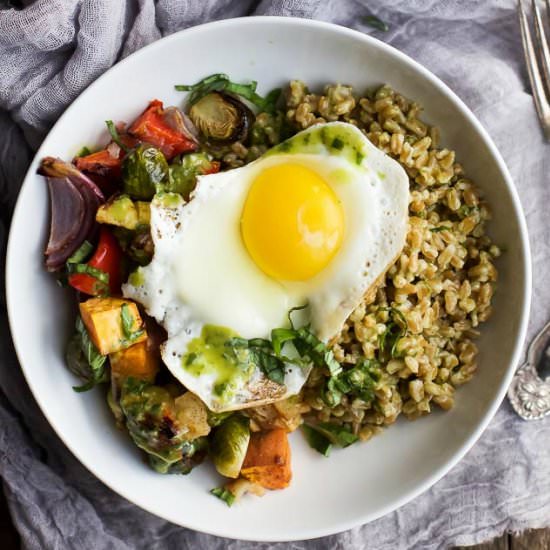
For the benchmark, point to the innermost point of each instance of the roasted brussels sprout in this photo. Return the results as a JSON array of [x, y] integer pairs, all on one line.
[[143, 170], [215, 419], [182, 176], [137, 245], [229, 444], [221, 118], [192, 452], [151, 419]]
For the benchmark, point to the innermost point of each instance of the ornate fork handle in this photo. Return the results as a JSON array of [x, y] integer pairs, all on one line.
[[528, 393]]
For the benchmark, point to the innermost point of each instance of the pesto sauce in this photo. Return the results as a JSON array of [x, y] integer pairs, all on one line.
[[209, 356], [136, 278], [338, 140]]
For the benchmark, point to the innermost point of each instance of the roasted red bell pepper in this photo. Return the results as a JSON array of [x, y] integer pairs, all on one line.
[[151, 127], [107, 258], [106, 162]]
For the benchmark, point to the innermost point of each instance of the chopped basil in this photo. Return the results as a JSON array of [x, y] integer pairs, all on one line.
[[115, 136], [268, 354], [82, 253], [261, 353], [357, 381], [227, 496], [102, 278], [310, 347], [84, 360], [317, 440], [127, 322], [440, 228], [396, 328], [337, 434], [376, 23], [220, 82]]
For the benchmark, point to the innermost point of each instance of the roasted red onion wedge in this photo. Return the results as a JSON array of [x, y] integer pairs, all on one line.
[[179, 121], [74, 200], [67, 210]]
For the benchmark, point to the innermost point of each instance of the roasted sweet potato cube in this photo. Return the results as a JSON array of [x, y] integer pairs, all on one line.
[[267, 460], [139, 361], [103, 320]]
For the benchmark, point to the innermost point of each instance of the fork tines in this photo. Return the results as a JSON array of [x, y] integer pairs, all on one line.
[[537, 55]]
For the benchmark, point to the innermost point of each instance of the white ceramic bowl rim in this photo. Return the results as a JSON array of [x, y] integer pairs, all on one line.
[[11, 275]]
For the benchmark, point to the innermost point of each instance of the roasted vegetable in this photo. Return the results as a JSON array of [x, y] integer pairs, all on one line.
[[107, 162], [192, 414], [112, 323], [102, 273], [143, 170], [137, 245], [84, 360], [222, 118], [151, 420], [192, 453], [182, 176], [122, 211], [267, 460], [220, 82], [228, 445], [141, 361], [165, 129], [74, 199]]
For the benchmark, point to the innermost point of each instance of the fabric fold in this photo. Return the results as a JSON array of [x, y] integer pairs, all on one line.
[[53, 49]]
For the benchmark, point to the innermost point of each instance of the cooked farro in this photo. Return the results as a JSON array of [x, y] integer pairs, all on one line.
[[441, 284]]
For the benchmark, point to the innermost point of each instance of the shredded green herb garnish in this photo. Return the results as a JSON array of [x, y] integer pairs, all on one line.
[[220, 82], [227, 496], [82, 253], [97, 371], [267, 354], [115, 135], [376, 23], [102, 278], [127, 322], [396, 328], [338, 435], [317, 440], [440, 228], [262, 354], [357, 381]]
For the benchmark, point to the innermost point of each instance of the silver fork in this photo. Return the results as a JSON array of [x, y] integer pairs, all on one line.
[[529, 392], [538, 79]]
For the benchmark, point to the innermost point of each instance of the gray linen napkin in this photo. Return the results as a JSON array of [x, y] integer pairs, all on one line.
[[51, 50]]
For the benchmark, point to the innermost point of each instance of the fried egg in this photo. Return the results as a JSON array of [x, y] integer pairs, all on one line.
[[316, 220]]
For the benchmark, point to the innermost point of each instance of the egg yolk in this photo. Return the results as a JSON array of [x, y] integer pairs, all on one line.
[[292, 222]]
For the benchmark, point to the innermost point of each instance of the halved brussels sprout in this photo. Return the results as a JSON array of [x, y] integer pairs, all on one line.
[[143, 170], [182, 175], [221, 117], [229, 445]]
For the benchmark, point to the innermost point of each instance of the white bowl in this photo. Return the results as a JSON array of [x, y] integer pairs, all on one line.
[[327, 495]]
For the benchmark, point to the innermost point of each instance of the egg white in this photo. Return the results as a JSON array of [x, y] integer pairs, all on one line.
[[201, 272]]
